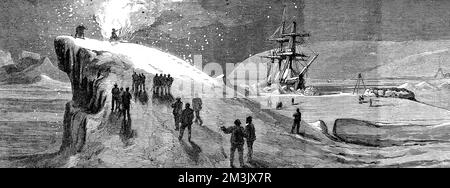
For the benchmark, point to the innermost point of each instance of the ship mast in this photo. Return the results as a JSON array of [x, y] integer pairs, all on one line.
[[292, 53], [287, 74], [290, 56]]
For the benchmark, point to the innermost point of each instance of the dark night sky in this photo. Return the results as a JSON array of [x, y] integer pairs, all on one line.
[[225, 31]]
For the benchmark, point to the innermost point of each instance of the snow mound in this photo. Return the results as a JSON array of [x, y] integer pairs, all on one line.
[[5, 58], [319, 126], [148, 59], [27, 54], [317, 131], [402, 93], [408, 86], [47, 79], [445, 86], [425, 86], [47, 82]]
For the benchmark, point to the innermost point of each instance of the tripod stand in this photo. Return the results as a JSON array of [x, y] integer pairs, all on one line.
[[358, 84]]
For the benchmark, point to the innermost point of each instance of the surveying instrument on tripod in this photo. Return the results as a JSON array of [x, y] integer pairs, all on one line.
[[359, 83]]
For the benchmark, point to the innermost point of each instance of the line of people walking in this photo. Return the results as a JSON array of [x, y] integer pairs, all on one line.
[[162, 84]]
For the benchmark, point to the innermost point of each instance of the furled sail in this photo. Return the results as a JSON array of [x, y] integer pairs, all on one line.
[[285, 67]]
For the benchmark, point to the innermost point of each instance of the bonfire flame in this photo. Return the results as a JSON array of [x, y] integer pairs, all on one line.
[[117, 14], [127, 16]]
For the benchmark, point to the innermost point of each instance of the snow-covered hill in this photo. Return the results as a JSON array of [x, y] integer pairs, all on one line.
[[150, 60]]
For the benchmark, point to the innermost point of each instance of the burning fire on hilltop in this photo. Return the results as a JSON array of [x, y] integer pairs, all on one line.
[[117, 14], [127, 16]]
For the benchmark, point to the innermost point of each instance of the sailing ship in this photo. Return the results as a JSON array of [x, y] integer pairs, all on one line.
[[288, 65]]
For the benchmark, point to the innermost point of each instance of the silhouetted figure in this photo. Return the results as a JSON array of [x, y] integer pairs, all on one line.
[[158, 85], [142, 82], [155, 85], [126, 102], [143, 78], [279, 106], [297, 121], [79, 31], [135, 81], [138, 82], [197, 104], [167, 84], [361, 99], [170, 84], [177, 110], [114, 36], [293, 101], [161, 84], [250, 133], [237, 141], [115, 97], [164, 84], [187, 116]]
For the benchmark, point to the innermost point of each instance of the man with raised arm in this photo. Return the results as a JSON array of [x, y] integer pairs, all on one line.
[[237, 141]]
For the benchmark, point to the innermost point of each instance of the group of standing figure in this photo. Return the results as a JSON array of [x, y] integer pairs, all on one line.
[[186, 117], [138, 82], [162, 84], [240, 135], [121, 101]]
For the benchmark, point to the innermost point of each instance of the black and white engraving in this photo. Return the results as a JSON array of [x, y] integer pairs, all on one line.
[[224, 84]]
